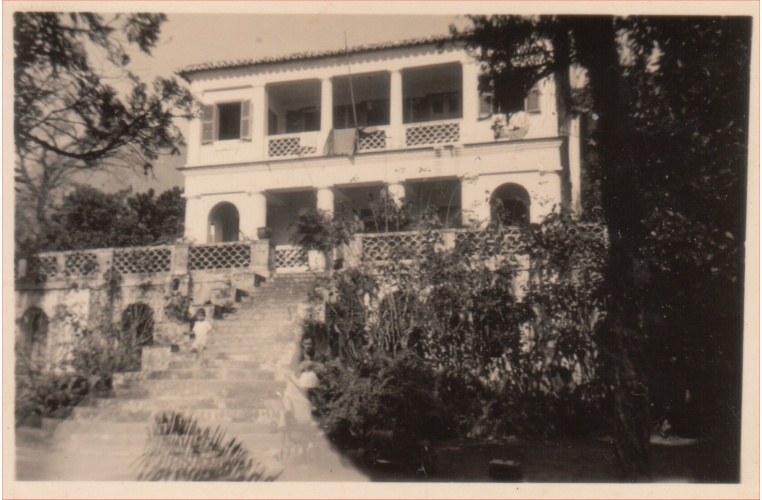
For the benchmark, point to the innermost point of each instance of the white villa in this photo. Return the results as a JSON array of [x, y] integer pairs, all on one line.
[[316, 130], [278, 135]]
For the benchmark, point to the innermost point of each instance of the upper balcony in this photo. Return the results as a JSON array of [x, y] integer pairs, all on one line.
[[354, 109]]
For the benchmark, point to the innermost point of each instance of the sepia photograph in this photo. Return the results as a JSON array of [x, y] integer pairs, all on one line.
[[341, 250]]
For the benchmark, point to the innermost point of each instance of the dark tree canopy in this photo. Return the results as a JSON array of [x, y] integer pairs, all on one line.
[[666, 99], [90, 218], [77, 105], [65, 106]]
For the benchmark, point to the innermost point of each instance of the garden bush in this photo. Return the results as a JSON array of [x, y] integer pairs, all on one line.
[[451, 339]]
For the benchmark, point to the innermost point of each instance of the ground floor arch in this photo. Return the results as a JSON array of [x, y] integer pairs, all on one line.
[[137, 331], [510, 205], [223, 223], [33, 340]]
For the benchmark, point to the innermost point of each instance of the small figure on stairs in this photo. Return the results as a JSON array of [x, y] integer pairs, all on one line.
[[309, 364], [200, 335]]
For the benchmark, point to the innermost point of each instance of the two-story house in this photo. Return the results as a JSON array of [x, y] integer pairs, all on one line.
[[401, 119]]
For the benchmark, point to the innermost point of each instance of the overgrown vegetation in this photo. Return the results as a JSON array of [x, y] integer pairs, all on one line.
[[180, 450], [469, 341]]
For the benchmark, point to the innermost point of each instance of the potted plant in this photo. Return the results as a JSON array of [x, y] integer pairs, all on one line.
[[264, 233], [319, 233]]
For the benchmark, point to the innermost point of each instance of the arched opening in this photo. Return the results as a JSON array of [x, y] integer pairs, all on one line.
[[33, 341], [136, 332], [223, 223], [509, 205]]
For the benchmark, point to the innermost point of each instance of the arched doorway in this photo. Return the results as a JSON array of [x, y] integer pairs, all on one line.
[[509, 205], [223, 223], [33, 342], [136, 332]]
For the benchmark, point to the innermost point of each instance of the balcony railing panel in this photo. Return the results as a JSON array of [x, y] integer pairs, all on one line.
[[219, 256], [373, 141], [143, 260], [82, 264], [432, 133], [304, 144], [378, 247], [291, 258]]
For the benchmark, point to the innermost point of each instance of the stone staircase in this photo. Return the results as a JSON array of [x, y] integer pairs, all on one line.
[[237, 388]]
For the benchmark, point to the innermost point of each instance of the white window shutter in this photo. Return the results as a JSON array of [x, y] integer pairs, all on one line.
[[207, 124], [246, 114], [532, 102]]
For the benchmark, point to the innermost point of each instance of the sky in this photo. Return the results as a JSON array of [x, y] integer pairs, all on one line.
[[202, 37]]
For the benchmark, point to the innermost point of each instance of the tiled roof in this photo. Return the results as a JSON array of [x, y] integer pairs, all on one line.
[[302, 56]]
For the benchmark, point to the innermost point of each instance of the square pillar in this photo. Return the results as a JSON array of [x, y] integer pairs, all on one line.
[[470, 86], [195, 220], [326, 108], [259, 122], [396, 129], [325, 198], [255, 215]]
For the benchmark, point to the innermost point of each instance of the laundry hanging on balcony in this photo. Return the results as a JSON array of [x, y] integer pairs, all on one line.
[[345, 142]]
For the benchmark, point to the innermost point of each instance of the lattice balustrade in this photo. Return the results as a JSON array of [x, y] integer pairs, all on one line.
[[42, 267], [488, 243], [290, 257], [208, 257], [288, 146], [385, 246], [438, 133], [143, 260], [596, 231], [373, 141], [82, 264]]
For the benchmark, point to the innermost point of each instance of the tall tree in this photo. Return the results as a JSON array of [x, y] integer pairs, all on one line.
[[643, 77], [77, 106]]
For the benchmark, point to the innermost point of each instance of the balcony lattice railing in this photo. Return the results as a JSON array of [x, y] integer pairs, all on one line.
[[367, 247], [373, 141], [292, 145], [432, 133], [290, 257], [142, 260], [383, 246], [219, 256]]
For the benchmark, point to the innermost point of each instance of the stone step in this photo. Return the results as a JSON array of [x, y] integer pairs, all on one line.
[[203, 388], [205, 416], [219, 361], [220, 372], [240, 401]]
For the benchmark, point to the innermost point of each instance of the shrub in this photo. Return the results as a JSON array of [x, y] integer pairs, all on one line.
[[492, 358], [380, 394]]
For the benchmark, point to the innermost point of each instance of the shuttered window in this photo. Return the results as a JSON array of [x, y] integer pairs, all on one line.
[[226, 121], [209, 131], [532, 102]]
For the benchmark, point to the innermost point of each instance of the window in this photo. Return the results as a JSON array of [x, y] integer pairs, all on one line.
[[369, 114], [532, 102], [303, 120], [226, 121], [445, 106]]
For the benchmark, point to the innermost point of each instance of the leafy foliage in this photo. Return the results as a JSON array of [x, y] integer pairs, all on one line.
[[489, 356], [90, 218], [77, 105], [319, 230], [667, 98], [180, 450]]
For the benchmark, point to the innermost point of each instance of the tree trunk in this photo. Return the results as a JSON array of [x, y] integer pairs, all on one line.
[[622, 338]]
